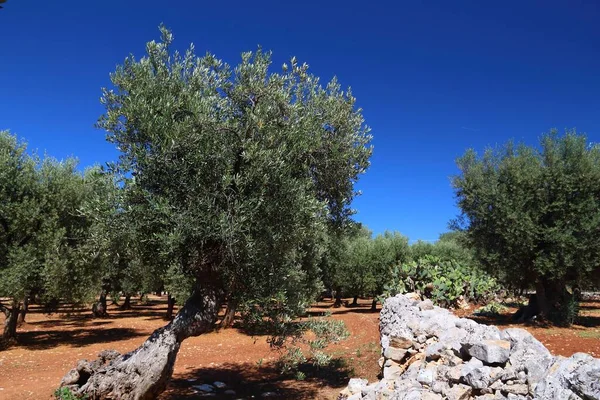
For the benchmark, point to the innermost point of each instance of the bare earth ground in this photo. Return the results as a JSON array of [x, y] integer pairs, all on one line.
[[49, 345]]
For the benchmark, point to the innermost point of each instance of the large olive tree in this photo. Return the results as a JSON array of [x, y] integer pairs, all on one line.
[[236, 171], [533, 216]]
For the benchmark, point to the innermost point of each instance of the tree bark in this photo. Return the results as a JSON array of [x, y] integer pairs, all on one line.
[[229, 316], [145, 372], [9, 332], [338, 298], [374, 304], [355, 301], [99, 308], [24, 310], [551, 302], [126, 303], [170, 307]]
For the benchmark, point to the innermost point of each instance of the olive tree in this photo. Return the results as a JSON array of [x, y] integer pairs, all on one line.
[[532, 215], [237, 172], [41, 230]]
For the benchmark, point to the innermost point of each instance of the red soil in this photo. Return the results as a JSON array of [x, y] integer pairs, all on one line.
[[49, 345]]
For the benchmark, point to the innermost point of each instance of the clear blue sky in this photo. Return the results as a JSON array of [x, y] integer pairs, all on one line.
[[433, 77]]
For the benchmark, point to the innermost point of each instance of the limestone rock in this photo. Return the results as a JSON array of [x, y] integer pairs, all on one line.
[[479, 378], [518, 388], [528, 354], [401, 342], [458, 392], [426, 305], [491, 352], [394, 353], [356, 385], [206, 388], [428, 353]]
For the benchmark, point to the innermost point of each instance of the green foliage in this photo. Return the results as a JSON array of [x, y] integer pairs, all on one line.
[[237, 171], [567, 310], [532, 215], [450, 246], [443, 281], [64, 393], [491, 309], [363, 264], [314, 334], [44, 228]]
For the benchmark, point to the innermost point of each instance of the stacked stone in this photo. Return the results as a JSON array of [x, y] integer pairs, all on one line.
[[429, 353]]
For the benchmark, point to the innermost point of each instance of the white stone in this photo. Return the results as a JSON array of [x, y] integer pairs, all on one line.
[[204, 388]]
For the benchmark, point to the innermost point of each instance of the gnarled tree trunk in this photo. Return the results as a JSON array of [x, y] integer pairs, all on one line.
[[9, 332], [552, 302], [145, 372]]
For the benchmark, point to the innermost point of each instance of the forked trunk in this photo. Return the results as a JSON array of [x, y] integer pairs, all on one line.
[[145, 372], [126, 303], [229, 316], [24, 310], [10, 324], [170, 307]]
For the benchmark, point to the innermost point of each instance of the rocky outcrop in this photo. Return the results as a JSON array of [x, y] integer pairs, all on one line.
[[428, 353]]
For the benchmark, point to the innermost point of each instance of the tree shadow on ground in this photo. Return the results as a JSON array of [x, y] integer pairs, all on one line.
[[45, 339], [80, 321], [366, 310], [251, 381], [588, 321], [503, 320], [589, 305]]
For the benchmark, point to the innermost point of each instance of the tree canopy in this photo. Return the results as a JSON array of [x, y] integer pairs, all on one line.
[[236, 170], [532, 215], [44, 230]]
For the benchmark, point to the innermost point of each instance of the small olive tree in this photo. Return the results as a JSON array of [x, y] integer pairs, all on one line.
[[533, 217], [237, 172]]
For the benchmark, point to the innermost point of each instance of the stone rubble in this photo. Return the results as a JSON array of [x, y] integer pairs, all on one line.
[[430, 354]]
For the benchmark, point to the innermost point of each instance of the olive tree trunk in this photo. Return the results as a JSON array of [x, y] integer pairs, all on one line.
[[24, 309], [9, 332], [99, 308], [170, 307], [229, 317], [552, 302], [374, 304], [145, 372], [338, 298], [126, 303]]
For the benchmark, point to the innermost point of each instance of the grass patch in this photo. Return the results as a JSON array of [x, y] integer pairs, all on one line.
[[589, 334]]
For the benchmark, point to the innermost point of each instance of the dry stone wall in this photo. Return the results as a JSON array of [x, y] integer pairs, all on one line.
[[430, 354]]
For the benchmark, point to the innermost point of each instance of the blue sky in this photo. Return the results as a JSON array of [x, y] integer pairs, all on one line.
[[433, 77]]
